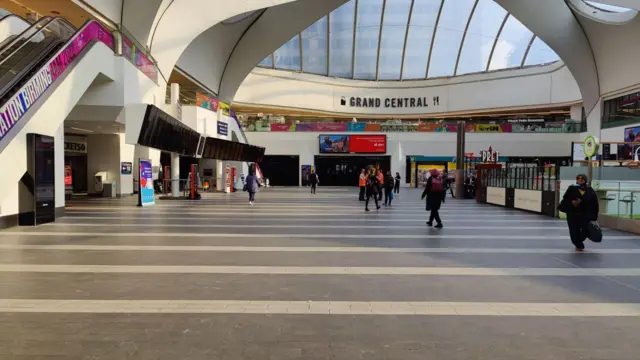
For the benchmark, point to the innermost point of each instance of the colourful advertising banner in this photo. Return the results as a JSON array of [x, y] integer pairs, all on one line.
[[283, 127], [132, 53], [428, 127], [329, 127], [146, 193], [21, 102], [206, 102], [357, 127], [493, 128], [365, 144], [303, 127], [373, 127], [226, 109]]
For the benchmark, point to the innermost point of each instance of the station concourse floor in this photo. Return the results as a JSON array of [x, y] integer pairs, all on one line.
[[300, 276]]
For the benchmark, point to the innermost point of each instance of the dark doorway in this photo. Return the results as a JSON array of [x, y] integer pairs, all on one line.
[[79, 176], [281, 170], [344, 170]]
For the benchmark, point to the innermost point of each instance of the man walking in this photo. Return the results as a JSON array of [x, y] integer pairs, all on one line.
[[313, 179]]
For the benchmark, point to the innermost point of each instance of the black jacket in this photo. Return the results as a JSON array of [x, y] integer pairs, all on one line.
[[434, 199], [388, 182], [373, 185], [588, 206]]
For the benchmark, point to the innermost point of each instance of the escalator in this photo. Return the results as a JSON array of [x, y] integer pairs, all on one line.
[[44, 71]]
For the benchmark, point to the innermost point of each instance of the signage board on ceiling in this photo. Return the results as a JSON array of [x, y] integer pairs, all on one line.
[[356, 144]]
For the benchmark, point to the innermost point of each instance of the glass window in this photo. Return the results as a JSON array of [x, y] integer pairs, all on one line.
[[314, 48], [423, 19], [394, 29], [367, 35], [267, 62], [288, 56], [341, 40], [511, 46], [453, 20], [540, 53], [480, 37], [606, 7]]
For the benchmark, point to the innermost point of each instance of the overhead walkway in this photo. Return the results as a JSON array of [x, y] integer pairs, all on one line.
[[44, 71]]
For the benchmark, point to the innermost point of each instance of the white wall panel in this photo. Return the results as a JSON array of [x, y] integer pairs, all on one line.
[[530, 200], [490, 91], [497, 196]]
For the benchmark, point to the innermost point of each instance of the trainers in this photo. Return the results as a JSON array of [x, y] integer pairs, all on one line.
[[367, 209], [579, 249], [429, 223], [378, 207], [439, 226]]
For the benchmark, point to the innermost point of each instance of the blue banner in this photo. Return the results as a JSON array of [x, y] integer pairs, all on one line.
[[357, 127], [147, 196]]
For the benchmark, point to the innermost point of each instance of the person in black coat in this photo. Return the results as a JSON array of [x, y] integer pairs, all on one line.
[[396, 187], [434, 191], [373, 186], [580, 203], [388, 188]]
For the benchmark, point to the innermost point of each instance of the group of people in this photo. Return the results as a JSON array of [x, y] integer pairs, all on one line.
[[375, 183]]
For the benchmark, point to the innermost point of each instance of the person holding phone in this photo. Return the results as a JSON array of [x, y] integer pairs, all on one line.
[[580, 203]]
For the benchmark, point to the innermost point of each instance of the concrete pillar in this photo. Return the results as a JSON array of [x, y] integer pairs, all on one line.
[[175, 158], [460, 159], [594, 121], [576, 112], [219, 175]]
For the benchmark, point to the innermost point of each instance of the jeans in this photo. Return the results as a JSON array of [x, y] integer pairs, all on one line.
[[252, 196], [578, 230], [375, 198], [387, 196], [434, 215]]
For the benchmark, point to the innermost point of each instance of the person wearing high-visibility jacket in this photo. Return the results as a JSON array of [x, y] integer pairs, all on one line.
[[380, 177], [362, 183]]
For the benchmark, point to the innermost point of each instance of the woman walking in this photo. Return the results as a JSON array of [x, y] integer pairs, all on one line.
[[434, 191], [396, 187], [253, 185], [580, 203], [373, 186]]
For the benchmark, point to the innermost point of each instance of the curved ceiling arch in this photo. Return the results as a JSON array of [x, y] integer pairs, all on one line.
[[554, 23], [184, 20]]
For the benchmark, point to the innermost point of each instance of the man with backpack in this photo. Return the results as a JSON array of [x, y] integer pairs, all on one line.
[[434, 191]]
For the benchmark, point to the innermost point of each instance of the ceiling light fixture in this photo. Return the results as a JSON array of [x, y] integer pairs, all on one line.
[[78, 129]]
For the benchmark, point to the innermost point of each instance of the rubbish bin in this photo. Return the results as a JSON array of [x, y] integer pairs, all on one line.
[[109, 189]]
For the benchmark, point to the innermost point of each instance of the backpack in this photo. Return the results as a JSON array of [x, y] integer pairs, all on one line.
[[436, 185]]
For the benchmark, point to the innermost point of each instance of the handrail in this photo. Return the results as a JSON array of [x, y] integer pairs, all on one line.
[[64, 33], [36, 26], [46, 75]]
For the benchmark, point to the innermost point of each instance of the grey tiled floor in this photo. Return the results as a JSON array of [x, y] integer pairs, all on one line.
[[137, 314]]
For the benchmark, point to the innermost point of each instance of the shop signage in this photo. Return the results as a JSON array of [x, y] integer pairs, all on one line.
[[146, 193], [75, 147], [21, 101], [358, 144], [591, 145], [223, 128], [405, 102], [125, 168], [489, 156]]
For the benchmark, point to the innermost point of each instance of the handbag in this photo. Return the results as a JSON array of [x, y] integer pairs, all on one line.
[[244, 188], [391, 195], [594, 232]]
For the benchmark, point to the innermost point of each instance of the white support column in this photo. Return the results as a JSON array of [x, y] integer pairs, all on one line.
[[219, 175], [594, 121], [175, 158]]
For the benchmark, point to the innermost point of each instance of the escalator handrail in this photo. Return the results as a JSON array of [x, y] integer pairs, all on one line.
[[21, 69], [46, 75], [38, 24], [44, 28]]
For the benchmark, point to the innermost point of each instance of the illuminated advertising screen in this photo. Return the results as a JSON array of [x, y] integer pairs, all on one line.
[[356, 144]]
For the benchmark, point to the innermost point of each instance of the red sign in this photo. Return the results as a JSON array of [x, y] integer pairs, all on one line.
[[368, 144], [68, 179]]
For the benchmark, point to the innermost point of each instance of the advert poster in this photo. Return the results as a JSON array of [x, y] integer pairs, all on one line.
[[226, 109], [227, 179], [374, 144], [68, 177], [146, 193]]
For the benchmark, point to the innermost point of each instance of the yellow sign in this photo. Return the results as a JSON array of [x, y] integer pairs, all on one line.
[[226, 109], [488, 128]]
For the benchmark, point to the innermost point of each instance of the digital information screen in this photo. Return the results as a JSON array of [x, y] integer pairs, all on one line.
[[355, 144]]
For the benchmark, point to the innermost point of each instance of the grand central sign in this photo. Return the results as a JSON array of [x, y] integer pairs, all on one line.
[[395, 102]]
